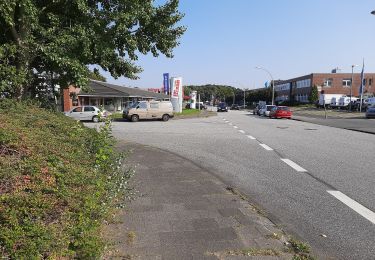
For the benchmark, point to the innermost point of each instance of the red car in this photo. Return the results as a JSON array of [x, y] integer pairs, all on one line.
[[281, 112]]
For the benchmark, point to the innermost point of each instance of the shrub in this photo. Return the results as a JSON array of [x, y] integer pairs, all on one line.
[[58, 182]]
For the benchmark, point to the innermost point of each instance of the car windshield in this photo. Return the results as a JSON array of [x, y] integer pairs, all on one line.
[[269, 108], [134, 105]]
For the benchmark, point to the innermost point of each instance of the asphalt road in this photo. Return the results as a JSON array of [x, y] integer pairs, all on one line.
[[326, 176]]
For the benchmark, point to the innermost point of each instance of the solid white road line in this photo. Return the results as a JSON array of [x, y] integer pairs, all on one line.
[[361, 210], [266, 147], [235, 127], [241, 131], [251, 137], [294, 165]]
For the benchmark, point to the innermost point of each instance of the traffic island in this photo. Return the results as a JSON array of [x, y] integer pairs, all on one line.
[[194, 113]]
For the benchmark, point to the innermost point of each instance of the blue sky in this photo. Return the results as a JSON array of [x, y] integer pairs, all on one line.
[[226, 39]]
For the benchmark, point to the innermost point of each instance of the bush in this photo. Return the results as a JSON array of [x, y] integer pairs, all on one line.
[[58, 182]]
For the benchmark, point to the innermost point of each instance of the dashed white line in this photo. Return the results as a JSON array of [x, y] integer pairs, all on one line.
[[294, 165], [230, 124], [235, 127], [241, 131], [363, 211], [251, 137], [266, 147]]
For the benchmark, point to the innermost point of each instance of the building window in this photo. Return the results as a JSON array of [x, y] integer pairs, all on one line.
[[328, 83], [364, 82], [369, 82], [304, 83], [346, 82]]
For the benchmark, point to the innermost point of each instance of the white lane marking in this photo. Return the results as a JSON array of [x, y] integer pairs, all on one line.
[[241, 131], [266, 147], [251, 137], [361, 210], [230, 124], [294, 165], [235, 127], [224, 119]]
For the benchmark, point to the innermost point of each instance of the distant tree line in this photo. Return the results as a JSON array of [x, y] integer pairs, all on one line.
[[229, 94]]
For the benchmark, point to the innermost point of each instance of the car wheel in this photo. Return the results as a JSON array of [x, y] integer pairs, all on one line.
[[165, 117], [135, 118], [95, 119]]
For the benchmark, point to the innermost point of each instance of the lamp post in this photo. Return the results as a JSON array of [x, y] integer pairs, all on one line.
[[351, 89], [273, 84]]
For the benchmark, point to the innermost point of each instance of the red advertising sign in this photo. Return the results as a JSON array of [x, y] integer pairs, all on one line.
[[176, 89]]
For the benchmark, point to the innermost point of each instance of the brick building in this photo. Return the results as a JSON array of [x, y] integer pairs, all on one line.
[[299, 89]]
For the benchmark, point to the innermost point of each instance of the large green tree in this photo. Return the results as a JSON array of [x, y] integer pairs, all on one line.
[[63, 37]]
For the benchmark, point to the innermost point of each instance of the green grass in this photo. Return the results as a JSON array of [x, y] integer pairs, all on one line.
[[58, 183], [188, 112]]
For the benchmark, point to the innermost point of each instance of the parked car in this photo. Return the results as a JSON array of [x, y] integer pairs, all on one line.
[[265, 111], [256, 110], [281, 112], [149, 110], [86, 113], [222, 107], [235, 107], [370, 113], [200, 105]]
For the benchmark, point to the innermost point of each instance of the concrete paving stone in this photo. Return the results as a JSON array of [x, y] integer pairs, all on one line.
[[243, 220], [223, 200], [205, 223], [227, 212], [218, 246], [264, 242], [181, 225], [175, 238], [201, 204], [144, 208], [248, 234], [227, 221]]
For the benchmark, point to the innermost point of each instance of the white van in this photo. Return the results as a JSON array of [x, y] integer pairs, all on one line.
[[149, 110], [345, 101], [327, 99]]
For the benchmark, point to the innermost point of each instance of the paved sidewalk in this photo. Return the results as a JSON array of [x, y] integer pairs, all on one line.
[[185, 212]]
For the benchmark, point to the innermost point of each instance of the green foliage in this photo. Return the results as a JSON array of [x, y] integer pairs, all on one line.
[[217, 92], [95, 75], [58, 181], [64, 37], [314, 95]]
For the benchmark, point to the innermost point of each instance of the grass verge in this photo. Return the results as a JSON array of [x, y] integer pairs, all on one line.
[[59, 181]]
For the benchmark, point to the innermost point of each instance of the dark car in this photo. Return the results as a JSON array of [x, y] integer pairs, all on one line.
[[235, 107], [370, 113], [222, 107]]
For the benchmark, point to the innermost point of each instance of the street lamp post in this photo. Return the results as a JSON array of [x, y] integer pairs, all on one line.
[[351, 89], [244, 98], [272, 81]]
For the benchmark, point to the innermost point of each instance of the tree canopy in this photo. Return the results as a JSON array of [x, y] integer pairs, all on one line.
[[63, 37]]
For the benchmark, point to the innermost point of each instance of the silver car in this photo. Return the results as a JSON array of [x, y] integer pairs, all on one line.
[[88, 113]]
